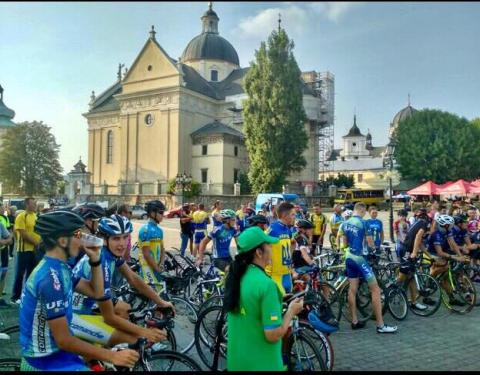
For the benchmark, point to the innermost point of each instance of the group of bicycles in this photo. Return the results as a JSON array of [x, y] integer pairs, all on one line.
[[200, 321]]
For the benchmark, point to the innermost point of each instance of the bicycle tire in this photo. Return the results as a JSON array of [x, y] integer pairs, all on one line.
[[397, 303], [185, 321], [428, 286], [12, 349], [333, 298], [363, 312], [325, 344], [205, 338], [292, 357], [465, 290], [171, 361], [10, 364]]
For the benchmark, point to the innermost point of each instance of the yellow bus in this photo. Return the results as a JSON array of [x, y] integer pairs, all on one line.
[[352, 196]]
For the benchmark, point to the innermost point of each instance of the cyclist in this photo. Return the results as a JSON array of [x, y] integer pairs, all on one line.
[[110, 328], [200, 220], [336, 220], [375, 229], [401, 226], [150, 243], [301, 259], [222, 237], [319, 222], [258, 221], [473, 223], [240, 218], [186, 233], [299, 213], [347, 214], [280, 269], [216, 219], [91, 214], [461, 236], [46, 307], [354, 233]]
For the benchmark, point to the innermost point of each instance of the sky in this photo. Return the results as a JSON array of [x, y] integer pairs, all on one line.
[[52, 55]]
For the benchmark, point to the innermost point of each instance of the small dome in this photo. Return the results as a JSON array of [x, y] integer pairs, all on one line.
[[402, 115], [210, 46]]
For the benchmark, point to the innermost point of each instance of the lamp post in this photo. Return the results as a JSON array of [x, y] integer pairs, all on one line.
[[182, 180], [390, 152]]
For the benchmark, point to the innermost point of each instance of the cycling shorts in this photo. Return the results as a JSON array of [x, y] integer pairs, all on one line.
[[199, 235], [222, 263], [357, 266], [91, 328], [284, 282], [4, 259]]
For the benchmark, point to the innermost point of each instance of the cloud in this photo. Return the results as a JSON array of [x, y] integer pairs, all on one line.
[[334, 11], [293, 20]]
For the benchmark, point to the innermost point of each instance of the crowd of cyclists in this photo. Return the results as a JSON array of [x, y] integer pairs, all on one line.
[[69, 315]]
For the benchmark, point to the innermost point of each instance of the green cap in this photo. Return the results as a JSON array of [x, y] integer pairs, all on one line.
[[252, 238]]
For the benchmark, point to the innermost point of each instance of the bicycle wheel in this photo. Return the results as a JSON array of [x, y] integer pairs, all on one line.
[[302, 354], [328, 294], [185, 320], [429, 294], [209, 322], [212, 301], [322, 341], [363, 304], [11, 345], [396, 301], [464, 293], [169, 361], [9, 364]]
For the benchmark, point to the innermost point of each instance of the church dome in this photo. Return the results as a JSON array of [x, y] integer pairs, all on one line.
[[402, 115], [6, 114], [209, 45]]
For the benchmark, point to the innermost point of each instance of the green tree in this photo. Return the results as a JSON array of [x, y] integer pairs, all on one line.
[[274, 118], [341, 180], [438, 146], [194, 190], [29, 159], [245, 186]]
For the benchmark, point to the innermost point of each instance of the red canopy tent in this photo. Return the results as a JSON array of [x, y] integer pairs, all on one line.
[[428, 188], [460, 187], [475, 183]]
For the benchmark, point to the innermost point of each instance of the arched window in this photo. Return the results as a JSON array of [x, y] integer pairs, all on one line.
[[109, 147]]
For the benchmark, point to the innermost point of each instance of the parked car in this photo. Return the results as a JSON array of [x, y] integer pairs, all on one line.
[[138, 212], [174, 212]]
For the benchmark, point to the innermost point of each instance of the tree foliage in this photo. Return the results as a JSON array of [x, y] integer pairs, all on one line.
[[274, 118], [29, 160], [341, 180], [245, 186], [192, 191], [438, 146]]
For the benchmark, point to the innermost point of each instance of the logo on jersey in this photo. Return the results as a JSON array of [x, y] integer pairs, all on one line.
[[56, 280], [106, 273]]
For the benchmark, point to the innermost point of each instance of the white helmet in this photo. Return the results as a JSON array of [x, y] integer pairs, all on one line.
[[445, 220], [347, 213]]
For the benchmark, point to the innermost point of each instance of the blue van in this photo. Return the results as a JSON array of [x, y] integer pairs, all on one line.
[[277, 198]]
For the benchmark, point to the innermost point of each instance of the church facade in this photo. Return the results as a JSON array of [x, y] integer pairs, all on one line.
[[165, 116]]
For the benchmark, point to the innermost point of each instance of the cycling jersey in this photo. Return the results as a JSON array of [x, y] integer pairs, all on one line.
[[150, 235], [473, 225], [301, 241], [355, 230], [401, 229], [83, 304], [199, 224], [47, 295], [439, 238], [318, 220], [216, 223], [335, 221], [374, 229], [281, 256], [222, 237], [459, 235]]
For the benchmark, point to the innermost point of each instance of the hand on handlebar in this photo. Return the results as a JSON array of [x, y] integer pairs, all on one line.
[[296, 306], [154, 334], [167, 305], [125, 358]]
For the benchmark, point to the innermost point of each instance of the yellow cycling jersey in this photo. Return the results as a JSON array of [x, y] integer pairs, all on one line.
[[200, 220], [318, 220], [151, 236], [281, 251]]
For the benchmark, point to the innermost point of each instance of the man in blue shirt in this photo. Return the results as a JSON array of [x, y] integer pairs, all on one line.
[[375, 228], [222, 237], [46, 337], [354, 232]]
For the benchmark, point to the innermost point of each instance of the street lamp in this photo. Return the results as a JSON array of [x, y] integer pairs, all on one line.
[[183, 181], [390, 151]]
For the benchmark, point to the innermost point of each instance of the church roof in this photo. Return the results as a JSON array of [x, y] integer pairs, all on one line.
[[105, 101], [79, 167], [354, 130], [361, 164], [403, 114], [210, 46], [375, 152], [217, 127], [6, 114]]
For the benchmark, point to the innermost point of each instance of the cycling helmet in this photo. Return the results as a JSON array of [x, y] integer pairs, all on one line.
[[227, 214], [114, 226], [347, 214], [444, 220], [459, 219], [89, 211], [257, 219], [305, 224], [55, 224], [322, 325], [154, 206]]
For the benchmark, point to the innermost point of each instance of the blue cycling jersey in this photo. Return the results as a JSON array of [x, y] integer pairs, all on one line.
[[439, 238], [355, 230], [374, 229], [222, 237], [459, 235], [47, 295], [83, 304]]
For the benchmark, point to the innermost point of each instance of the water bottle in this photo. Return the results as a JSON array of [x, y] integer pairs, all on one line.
[[91, 241]]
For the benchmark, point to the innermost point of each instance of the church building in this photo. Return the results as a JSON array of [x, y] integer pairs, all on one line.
[[165, 116]]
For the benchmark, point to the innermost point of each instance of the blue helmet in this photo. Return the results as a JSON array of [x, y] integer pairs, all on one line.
[[114, 226]]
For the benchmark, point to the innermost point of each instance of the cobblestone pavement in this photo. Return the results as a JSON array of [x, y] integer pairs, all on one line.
[[445, 341]]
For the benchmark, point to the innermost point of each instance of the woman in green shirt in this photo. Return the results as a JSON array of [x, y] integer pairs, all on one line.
[[254, 306]]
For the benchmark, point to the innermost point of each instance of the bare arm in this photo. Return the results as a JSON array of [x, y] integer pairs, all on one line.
[[273, 335], [306, 256], [454, 246], [417, 243]]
